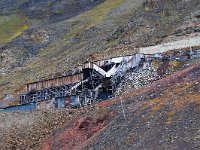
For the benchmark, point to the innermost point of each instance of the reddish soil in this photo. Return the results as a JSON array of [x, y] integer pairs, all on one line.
[[74, 137]]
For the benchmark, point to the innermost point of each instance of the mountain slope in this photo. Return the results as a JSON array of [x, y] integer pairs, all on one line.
[[42, 39], [164, 115], [49, 46], [49, 43]]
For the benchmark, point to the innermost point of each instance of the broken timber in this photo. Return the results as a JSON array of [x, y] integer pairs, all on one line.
[[88, 83]]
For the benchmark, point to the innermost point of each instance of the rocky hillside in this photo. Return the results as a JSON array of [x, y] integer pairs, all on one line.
[[163, 115], [39, 39], [50, 10], [43, 38]]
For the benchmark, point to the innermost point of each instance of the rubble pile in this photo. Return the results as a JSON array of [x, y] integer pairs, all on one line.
[[137, 79], [148, 72]]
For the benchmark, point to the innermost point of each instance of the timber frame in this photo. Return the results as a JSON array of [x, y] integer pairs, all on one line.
[[90, 82], [85, 84]]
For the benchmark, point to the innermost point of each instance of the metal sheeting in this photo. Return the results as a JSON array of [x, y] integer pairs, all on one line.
[[25, 107], [60, 102], [117, 60], [99, 70], [75, 100], [127, 63], [134, 61], [127, 58], [113, 60], [98, 64]]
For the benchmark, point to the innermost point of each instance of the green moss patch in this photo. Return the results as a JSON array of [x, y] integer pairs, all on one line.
[[11, 27]]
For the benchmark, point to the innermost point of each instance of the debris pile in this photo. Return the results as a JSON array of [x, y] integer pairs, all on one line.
[[135, 80]]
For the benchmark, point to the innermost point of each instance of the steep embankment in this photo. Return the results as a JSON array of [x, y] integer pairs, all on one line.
[[49, 46]]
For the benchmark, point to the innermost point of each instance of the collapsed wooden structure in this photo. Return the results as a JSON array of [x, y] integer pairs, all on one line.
[[85, 84], [90, 82]]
